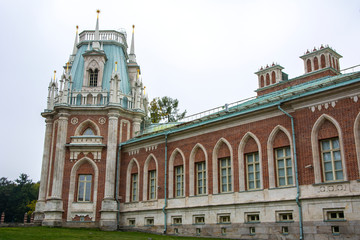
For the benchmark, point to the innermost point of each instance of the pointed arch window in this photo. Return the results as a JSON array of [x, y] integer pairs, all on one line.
[[179, 181], [200, 178], [152, 184], [331, 160], [134, 187], [93, 77], [284, 166], [225, 174], [84, 190], [252, 171]]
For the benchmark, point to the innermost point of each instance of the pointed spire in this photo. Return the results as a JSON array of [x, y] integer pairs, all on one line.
[[97, 34], [96, 43], [132, 55], [76, 41]]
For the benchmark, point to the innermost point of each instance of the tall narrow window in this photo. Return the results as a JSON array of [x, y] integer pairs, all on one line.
[[179, 181], [201, 178], [253, 171], [134, 187], [284, 166], [331, 160], [225, 174], [93, 75], [84, 191], [152, 184]]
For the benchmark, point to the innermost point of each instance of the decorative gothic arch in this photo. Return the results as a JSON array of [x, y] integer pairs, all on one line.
[[270, 153], [86, 124], [72, 206], [242, 166], [171, 171], [315, 146], [215, 164], [145, 181], [128, 178], [192, 185], [357, 139]]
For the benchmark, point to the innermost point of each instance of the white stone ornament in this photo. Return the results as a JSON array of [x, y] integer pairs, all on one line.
[[74, 120], [102, 120]]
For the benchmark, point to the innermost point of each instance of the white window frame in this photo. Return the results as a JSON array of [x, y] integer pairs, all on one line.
[[134, 187], [286, 167], [179, 181], [228, 175], [256, 162], [82, 185], [200, 188], [332, 160], [152, 185]]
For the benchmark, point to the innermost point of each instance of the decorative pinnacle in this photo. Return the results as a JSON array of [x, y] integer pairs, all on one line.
[[54, 74], [115, 66], [133, 26], [67, 67], [98, 12]]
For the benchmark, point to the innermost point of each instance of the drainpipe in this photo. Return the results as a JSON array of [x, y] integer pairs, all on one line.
[[117, 188], [296, 172], [165, 188]]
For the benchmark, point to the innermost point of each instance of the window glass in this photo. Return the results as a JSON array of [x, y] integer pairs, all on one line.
[[84, 188]]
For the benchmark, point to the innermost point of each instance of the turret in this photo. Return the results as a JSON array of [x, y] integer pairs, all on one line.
[[317, 59], [52, 93], [270, 75]]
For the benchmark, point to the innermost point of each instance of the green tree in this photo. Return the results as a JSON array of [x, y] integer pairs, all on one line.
[[166, 109], [16, 196]]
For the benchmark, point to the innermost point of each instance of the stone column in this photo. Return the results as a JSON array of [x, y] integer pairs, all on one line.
[[109, 205], [136, 126], [40, 204], [54, 205]]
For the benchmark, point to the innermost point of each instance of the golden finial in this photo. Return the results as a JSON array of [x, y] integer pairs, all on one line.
[[115, 66], [67, 67], [144, 89], [98, 11], [133, 28], [54, 74], [77, 28]]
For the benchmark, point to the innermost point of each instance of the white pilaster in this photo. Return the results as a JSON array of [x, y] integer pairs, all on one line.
[[109, 205], [40, 205], [54, 205]]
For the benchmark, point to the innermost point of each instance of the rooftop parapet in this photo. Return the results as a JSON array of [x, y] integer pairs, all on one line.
[[105, 35]]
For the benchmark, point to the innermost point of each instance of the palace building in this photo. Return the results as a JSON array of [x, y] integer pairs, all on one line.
[[284, 164]]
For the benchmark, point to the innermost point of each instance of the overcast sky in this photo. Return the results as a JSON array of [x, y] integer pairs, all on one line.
[[204, 53]]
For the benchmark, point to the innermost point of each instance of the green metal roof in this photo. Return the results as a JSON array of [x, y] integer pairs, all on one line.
[[114, 53], [262, 102]]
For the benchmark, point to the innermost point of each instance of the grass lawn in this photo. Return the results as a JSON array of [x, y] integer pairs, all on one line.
[[46, 233]]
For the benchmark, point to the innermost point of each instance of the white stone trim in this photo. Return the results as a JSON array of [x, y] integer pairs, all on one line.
[[145, 181], [244, 140], [357, 139], [315, 146], [215, 164], [192, 184], [84, 124], [270, 152], [128, 179], [71, 211], [124, 121], [51, 158], [171, 172]]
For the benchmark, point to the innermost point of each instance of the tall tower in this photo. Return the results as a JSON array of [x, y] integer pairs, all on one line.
[[97, 104]]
